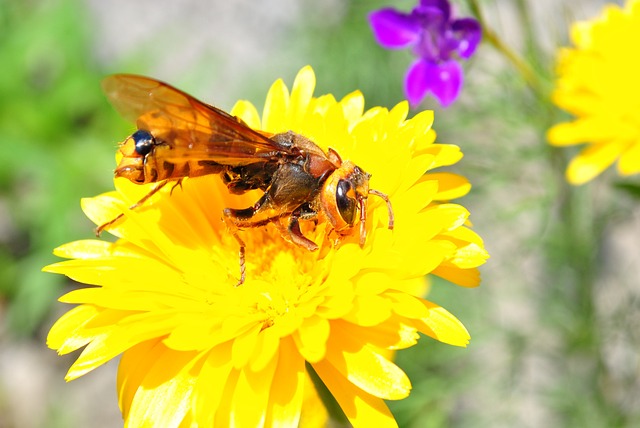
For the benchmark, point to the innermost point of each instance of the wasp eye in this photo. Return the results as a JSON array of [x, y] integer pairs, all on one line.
[[144, 142], [346, 202]]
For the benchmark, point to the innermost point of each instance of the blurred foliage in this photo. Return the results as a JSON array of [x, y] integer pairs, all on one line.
[[53, 149], [346, 55], [631, 189]]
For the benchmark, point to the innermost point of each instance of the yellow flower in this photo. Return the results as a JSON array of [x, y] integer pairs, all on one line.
[[197, 350], [598, 83]]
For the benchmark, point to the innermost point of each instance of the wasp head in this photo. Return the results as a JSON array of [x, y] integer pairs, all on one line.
[[343, 194], [134, 151]]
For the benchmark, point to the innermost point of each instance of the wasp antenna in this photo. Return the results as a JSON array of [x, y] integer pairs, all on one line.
[[389, 207]]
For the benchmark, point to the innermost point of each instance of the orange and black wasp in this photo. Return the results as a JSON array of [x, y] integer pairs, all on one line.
[[179, 136]]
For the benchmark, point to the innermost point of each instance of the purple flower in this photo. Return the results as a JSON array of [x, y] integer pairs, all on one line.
[[435, 38]]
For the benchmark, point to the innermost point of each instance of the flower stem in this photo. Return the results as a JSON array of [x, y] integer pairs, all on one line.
[[336, 415], [527, 73]]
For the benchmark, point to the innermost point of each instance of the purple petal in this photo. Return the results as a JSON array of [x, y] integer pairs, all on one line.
[[469, 34], [433, 26], [417, 81], [430, 18], [393, 29], [443, 7], [444, 81]]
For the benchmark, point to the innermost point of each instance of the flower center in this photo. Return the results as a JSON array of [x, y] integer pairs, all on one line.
[[280, 279]]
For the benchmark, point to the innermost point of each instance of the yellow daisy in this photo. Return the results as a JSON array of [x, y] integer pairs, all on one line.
[[197, 350], [598, 83]]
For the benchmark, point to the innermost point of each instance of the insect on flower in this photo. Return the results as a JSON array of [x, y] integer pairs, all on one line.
[[179, 136]]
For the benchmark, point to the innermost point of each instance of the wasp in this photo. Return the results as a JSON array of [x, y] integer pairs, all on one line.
[[179, 136]]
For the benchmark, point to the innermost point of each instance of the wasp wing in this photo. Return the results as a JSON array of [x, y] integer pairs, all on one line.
[[193, 129]]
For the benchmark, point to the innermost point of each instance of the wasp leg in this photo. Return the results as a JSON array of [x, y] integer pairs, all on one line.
[[178, 183], [233, 228], [234, 219], [294, 227], [246, 218], [241, 256], [153, 191]]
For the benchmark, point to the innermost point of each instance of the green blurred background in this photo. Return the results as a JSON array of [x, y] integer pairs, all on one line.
[[554, 326]]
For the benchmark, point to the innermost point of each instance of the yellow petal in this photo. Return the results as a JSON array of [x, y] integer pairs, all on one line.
[[417, 197], [133, 367], [113, 272], [353, 106], [388, 335], [469, 256], [197, 331], [311, 338], [108, 341], [287, 392], [581, 130], [444, 154], [397, 115], [164, 395], [275, 108], [462, 277], [251, 396], [266, 349], [415, 286], [369, 311], [243, 347], [420, 130], [450, 186], [424, 257], [209, 387], [67, 334], [338, 300], [247, 112], [301, 94], [629, 162], [366, 368], [362, 409], [443, 326], [464, 235], [592, 161], [414, 170], [406, 305], [347, 261], [117, 299], [223, 413], [314, 414], [452, 215], [373, 283], [85, 249]]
